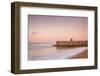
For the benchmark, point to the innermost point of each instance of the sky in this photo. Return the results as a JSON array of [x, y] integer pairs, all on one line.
[[49, 29]]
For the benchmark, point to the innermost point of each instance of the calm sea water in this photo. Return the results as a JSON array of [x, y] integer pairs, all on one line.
[[48, 52]]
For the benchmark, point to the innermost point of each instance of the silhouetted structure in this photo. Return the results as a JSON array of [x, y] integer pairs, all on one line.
[[71, 43]]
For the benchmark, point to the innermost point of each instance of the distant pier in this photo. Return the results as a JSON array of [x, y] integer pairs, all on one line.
[[71, 43]]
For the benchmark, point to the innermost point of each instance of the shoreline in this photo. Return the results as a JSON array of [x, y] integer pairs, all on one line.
[[81, 55]]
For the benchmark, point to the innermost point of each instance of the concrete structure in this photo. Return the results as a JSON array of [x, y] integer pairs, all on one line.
[[71, 43]]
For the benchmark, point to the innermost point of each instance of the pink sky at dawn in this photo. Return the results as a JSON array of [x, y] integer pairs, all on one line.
[[44, 29]]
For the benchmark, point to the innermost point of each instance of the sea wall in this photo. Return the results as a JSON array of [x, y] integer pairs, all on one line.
[[71, 43]]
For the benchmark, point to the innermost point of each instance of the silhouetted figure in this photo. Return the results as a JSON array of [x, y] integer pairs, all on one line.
[[71, 39]]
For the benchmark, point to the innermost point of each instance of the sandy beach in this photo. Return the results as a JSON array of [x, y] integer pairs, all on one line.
[[83, 54]]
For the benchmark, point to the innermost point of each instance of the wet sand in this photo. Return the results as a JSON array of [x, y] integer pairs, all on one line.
[[83, 54]]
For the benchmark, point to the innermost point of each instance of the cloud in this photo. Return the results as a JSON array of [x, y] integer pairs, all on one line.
[[35, 33]]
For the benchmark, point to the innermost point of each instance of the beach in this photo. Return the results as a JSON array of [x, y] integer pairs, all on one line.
[[83, 54]]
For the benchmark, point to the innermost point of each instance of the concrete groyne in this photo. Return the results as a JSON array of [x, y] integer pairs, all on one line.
[[71, 43]]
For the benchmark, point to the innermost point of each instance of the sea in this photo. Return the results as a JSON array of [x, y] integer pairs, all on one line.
[[46, 51]]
